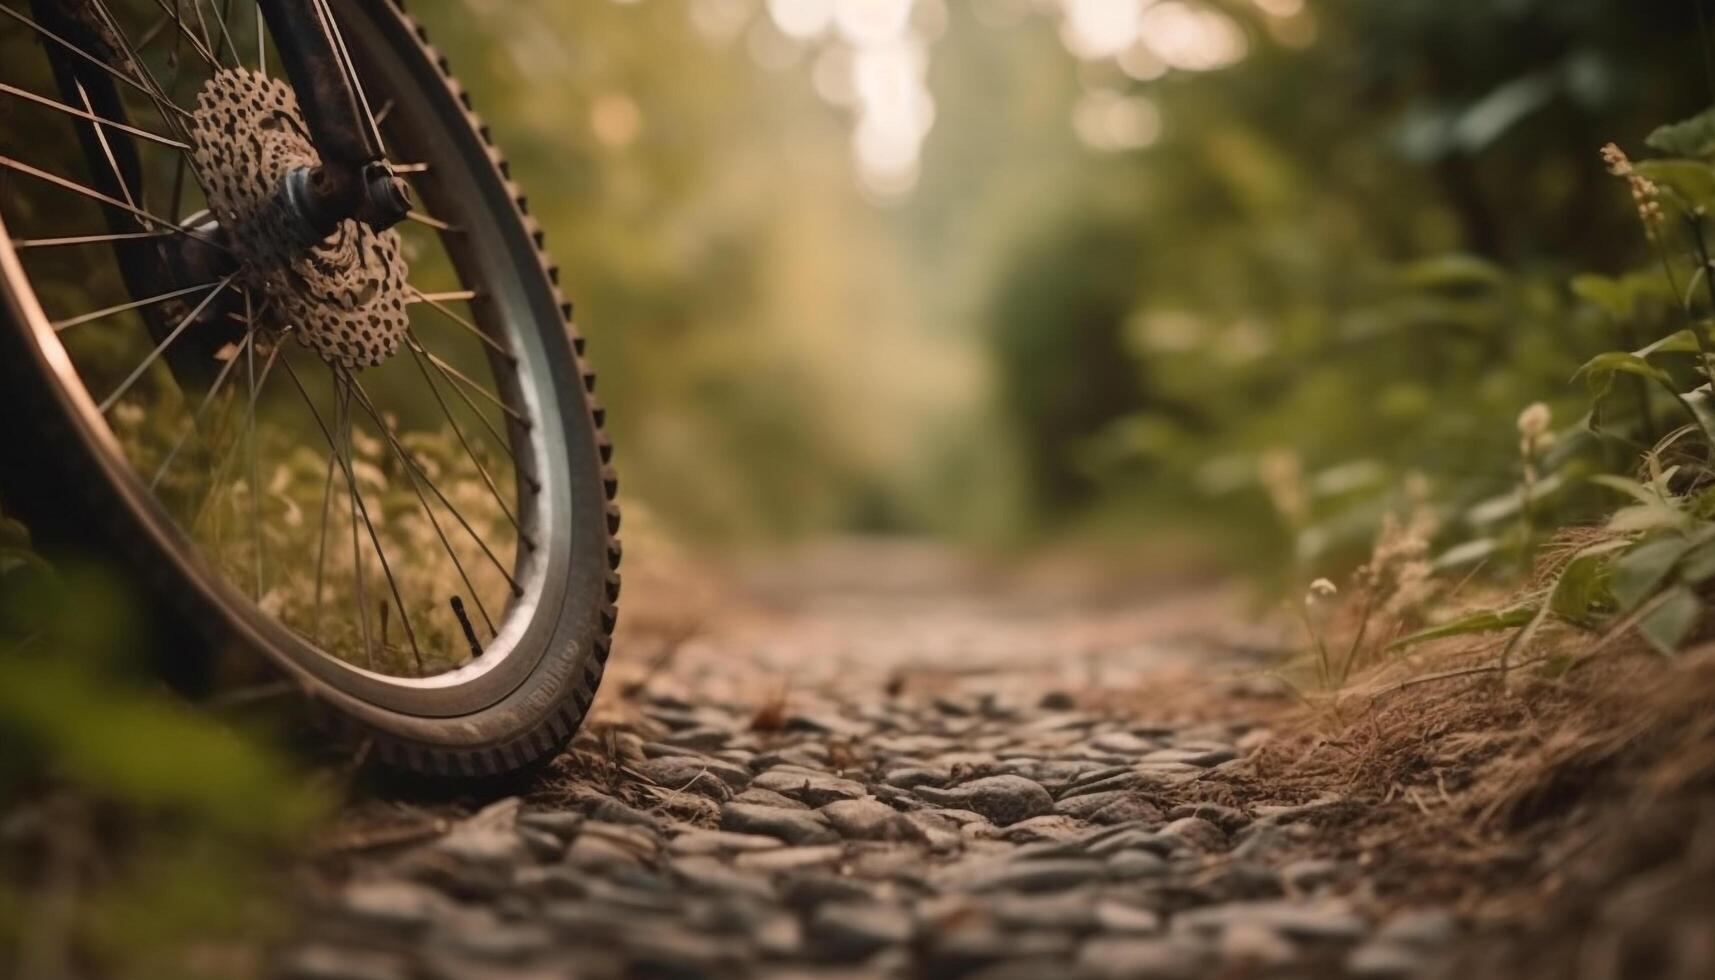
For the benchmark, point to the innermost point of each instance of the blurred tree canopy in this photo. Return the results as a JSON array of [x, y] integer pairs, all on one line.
[[1369, 215]]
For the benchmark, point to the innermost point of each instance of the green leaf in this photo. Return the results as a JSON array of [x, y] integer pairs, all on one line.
[[1640, 572], [1694, 137], [1669, 624], [1681, 342], [1698, 566], [1502, 506], [1581, 588], [1598, 372], [1453, 273], [1483, 621]]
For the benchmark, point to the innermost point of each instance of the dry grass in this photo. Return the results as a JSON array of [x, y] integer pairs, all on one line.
[[1577, 803]]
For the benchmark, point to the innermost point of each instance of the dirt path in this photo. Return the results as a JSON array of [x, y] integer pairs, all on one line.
[[891, 763]]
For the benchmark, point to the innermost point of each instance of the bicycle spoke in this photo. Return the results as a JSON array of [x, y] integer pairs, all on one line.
[[460, 376], [344, 401], [140, 67], [322, 551], [160, 104], [178, 18], [487, 480], [414, 468], [250, 440], [57, 106], [431, 221], [354, 500], [220, 17], [452, 296], [505, 444], [261, 42], [350, 70], [161, 348], [95, 195], [25, 243], [196, 416], [434, 300], [134, 304]]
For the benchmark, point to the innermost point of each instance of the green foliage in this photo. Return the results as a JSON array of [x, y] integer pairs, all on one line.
[[141, 831]]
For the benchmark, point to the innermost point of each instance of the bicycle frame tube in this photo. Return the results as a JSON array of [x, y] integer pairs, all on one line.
[[353, 181]]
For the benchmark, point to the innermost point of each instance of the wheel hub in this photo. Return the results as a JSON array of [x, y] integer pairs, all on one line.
[[345, 295]]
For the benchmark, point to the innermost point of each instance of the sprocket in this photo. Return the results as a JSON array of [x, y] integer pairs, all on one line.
[[346, 295]]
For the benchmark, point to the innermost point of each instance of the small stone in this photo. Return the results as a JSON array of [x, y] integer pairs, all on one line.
[[1071, 911], [1130, 808], [1381, 959], [1120, 918], [1130, 865], [780, 936], [811, 789], [610, 810], [1111, 782], [1123, 743], [915, 776], [791, 826], [789, 858], [854, 931], [867, 819], [1225, 817], [702, 738], [1048, 828], [1040, 876], [1200, 833], [679, 771], [1255, 944], [595, 853], [1202, 758], [1134, 958], [543, 846], [1057, 701], [806, 891], [1326, 921], [499, 943], [712, 875], [401, 907], [1002, 799], [763, 797], [334, 963], [935, 830], [563, 824], [701, 842], [1427, 928], [1311, 874]]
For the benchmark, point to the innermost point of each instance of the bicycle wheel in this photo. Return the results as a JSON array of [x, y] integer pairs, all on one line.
[[377, 464]]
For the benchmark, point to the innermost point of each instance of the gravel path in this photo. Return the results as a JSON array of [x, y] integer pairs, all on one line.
[[903, 780]]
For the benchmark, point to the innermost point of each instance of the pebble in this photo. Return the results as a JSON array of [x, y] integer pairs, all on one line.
[[403, 907], [1001, 799], [1039, 876], [791, 826], [1127, 958], [971, 836], [789, 858], [702, 842], [852, 931], [334, 963], [1199, 833], [867, 819], [914, 776], [811, 789]]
